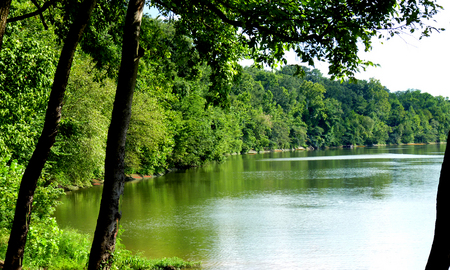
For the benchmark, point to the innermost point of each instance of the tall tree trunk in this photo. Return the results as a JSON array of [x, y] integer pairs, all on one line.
[[4, 11], [18, 236], [439, 258], [109, 215]]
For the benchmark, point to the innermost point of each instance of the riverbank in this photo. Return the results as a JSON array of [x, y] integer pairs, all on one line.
[[138, 177]]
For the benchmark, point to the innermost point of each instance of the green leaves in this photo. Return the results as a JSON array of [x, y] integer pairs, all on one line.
[[190, 63], [27, 64], [149, 138], [79, 151], [323, 30], [10, 176]]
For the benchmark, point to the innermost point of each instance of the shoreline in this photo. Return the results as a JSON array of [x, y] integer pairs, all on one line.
[[139, 177]]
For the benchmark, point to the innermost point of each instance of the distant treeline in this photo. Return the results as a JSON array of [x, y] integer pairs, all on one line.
[[315, 111]]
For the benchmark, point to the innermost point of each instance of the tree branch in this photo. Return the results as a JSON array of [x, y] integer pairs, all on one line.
[[40, 14], [37, 12], [260, 27]]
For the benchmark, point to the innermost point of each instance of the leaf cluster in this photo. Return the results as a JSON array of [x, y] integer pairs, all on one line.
[[316, 30], [27, 65]]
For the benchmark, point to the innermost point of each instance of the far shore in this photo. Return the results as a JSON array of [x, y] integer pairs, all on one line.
[[139, 177]]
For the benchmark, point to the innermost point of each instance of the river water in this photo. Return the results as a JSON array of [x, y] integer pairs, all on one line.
[[363, 208]]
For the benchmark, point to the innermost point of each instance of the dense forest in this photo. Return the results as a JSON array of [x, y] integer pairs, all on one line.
[[176, 121]]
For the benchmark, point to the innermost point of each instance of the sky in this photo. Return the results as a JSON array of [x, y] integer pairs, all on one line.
[[409, 63], [405, 61]]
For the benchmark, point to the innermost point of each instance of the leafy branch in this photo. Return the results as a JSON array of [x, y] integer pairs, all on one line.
[[39, 12]]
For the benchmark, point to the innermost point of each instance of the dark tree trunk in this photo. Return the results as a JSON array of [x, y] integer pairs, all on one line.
[[4, 11], [439, 258], [109, 215], [18, 236]]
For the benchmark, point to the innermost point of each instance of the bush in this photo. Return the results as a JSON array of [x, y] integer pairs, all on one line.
[[10, 176], [43, 233], [79, 152], [27, 65]]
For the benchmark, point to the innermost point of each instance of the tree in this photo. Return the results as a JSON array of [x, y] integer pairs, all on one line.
[[440, 250], [26, 76], [4, 11], [312, 96], [326, 30], [17, 240], [109, 215]]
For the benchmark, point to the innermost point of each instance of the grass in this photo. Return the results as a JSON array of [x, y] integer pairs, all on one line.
[[73, 254]]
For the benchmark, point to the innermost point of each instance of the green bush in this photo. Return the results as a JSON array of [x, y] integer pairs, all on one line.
[[10, 176], [79, 152], [149, 137], [43, 235], [27, 65], [73, 251]]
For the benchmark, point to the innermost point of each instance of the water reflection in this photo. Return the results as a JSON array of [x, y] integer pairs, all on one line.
[[335, 209], [356, 157]]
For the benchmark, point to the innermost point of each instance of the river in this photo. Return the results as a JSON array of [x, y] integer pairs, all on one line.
[[363, 208]]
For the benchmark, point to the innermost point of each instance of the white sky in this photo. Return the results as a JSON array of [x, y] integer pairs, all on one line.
[[407, 62]]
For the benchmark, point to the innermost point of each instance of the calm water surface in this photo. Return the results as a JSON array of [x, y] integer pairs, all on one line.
[[364, 208]]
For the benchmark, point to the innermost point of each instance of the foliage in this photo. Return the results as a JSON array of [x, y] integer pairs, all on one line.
[[73, 250], [324, 30], [337, 113], [70, 249], [124, 259], [10, 176], [44, 233], [276, 110], [27, 64], [79, 152], [42, 243], [173, 124], [149, 141]]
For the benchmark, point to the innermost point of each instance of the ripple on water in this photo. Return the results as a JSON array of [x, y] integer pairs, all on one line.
[[358, 157]]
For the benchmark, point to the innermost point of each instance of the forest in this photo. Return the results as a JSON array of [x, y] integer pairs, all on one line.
[[177, 121]]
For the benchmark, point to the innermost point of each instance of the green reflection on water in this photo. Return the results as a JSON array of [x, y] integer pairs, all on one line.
[[239, 210]]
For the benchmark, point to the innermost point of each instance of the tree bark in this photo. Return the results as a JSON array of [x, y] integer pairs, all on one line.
[[108, 219], [440, 250], [18, 236], [4, 11]]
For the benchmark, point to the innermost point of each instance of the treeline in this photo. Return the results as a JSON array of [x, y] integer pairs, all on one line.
[[175, 122], [315, 111], [275, 110]]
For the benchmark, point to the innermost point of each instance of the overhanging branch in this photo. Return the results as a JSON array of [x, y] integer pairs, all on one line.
[[263, 29], [40, 14], [34, 13]]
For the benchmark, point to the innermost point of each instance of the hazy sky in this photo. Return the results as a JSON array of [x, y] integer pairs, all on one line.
[[407, 62]]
